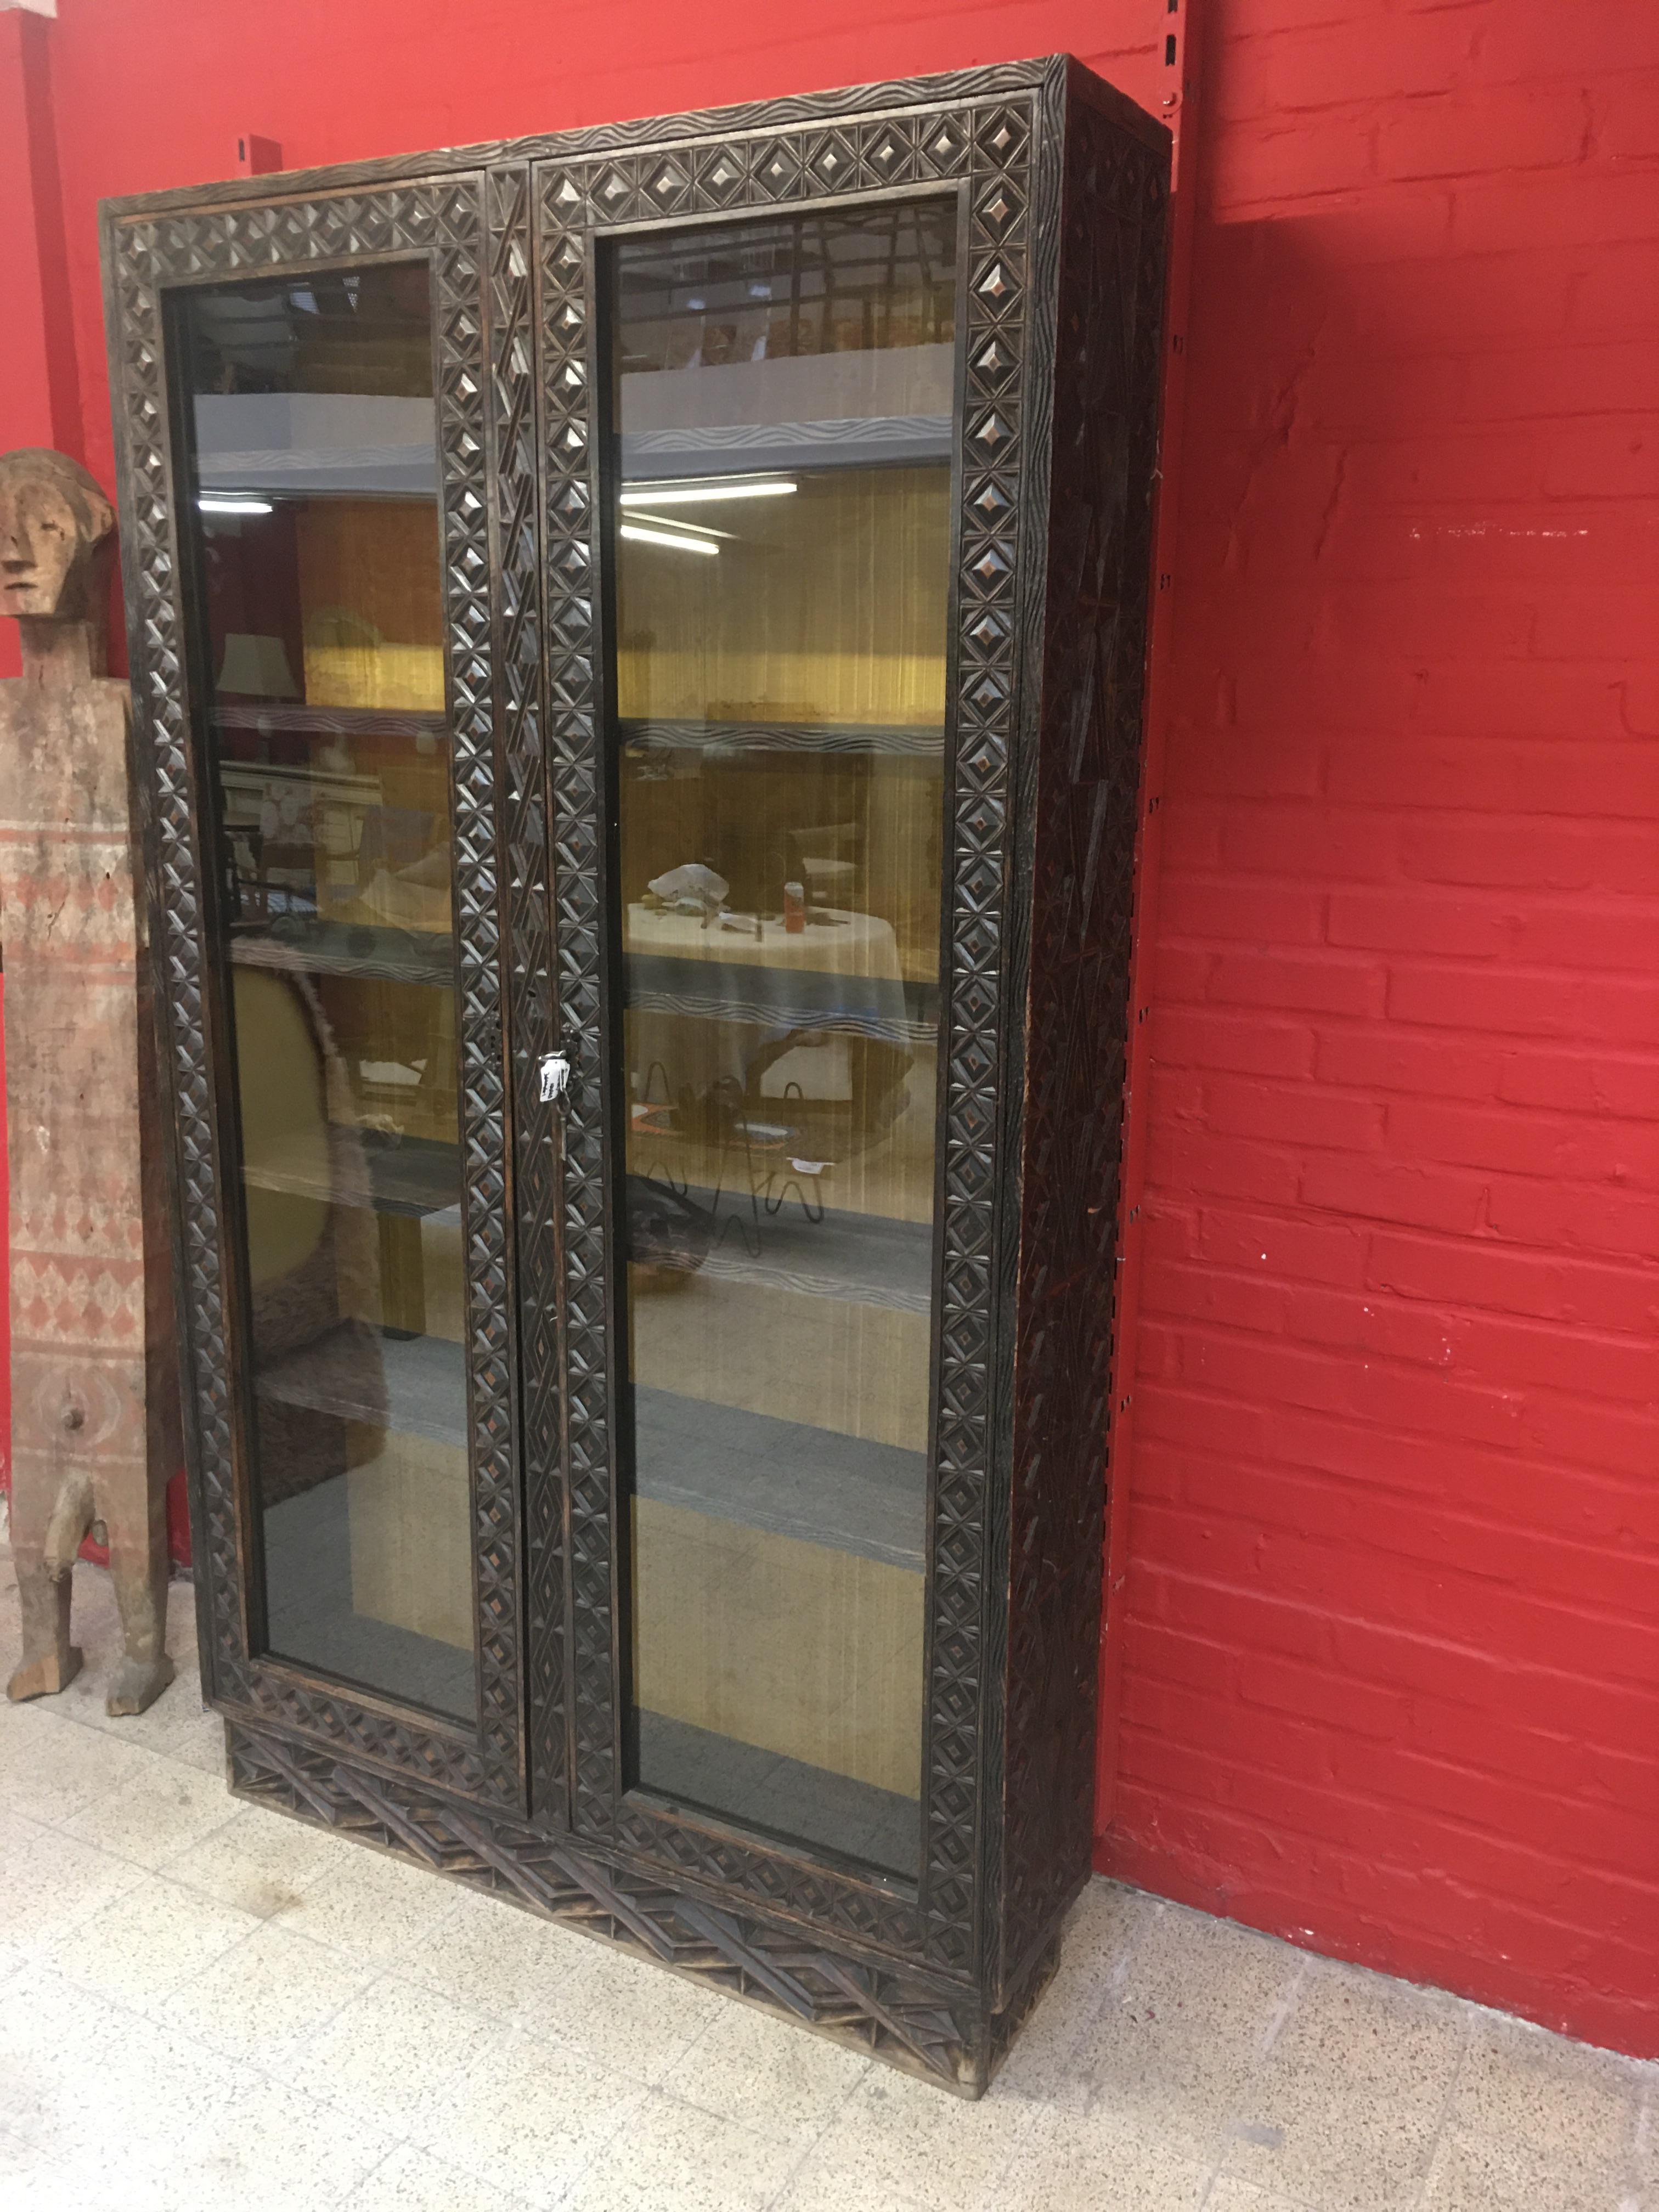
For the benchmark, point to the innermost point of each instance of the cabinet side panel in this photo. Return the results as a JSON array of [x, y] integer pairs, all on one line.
[[1105, 435]]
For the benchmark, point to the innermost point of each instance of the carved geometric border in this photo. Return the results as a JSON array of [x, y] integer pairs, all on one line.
[[926, 2029], [445, 223], [984, 148]]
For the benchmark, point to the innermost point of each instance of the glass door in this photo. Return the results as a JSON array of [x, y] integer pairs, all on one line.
[[315, 527], [780, 398]]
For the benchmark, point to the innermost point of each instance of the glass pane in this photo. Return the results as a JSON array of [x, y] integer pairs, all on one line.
[[781, 402], [316, 506]]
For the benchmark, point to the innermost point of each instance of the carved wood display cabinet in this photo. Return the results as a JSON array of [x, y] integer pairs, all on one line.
[[638, 640]]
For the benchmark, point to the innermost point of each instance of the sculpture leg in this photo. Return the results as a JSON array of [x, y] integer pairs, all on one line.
[[139, 1565], [50, 1663]]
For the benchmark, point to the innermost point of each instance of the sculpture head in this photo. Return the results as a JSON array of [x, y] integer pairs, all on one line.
[[56, 530]]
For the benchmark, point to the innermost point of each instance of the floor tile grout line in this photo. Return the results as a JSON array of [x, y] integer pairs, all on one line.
[[103, 1732], [1113, 1984], [379, 1971], [111, 1733], [264, 2069], [104, 1850], [76, 1926], [512, 2022], [153, 2021], [144, 1865], [798, 2165], [680, 2058], [1636, 2149], [183, 1881], [1448, 2105], [690, 2104], [1280, 2014], [383, 1972], [167, 1996], [989, 2195], [364, 2179], [600, 2149]]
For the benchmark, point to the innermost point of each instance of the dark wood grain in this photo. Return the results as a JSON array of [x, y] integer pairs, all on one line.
[[1061, 185]]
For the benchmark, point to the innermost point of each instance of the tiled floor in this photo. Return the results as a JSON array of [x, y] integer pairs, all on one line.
[[205, 2005]]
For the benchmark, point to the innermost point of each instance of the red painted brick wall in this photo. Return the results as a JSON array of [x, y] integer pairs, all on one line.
[[1390, 1665], [1383, 1651]]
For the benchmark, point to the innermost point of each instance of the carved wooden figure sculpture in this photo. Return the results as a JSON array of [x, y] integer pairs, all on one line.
[[94, 1402]]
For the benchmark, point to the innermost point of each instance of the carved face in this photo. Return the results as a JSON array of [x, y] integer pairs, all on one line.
[[46, 556]]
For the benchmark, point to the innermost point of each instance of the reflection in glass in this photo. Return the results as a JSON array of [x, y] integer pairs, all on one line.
[[316, 495], [781, 397]]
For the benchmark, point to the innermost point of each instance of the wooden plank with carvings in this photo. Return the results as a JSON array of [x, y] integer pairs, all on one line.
[[95, 1391]]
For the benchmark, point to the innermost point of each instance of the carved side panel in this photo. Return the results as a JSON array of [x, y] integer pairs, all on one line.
[[444, 220], [927, 2030], [1088, 766]]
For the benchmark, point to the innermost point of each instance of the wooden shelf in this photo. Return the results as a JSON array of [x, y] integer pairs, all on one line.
[[417, 1387], [350, 948], [411, 1176], [855, 1258], [284, 717], [888, 1260], [811, 739], [820, 1485]]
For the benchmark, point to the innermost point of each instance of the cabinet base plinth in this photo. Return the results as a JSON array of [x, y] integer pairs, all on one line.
[[932, 2029]]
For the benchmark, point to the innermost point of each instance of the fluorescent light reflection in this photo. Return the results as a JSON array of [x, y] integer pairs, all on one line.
[[678, 523], [212, 503], [691, 493], [676, 539]]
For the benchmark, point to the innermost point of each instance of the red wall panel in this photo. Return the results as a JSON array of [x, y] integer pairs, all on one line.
[[1390, 1672], [1383, 1656]]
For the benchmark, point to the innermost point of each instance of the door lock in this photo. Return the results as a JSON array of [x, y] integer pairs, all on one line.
[[555, 1077]]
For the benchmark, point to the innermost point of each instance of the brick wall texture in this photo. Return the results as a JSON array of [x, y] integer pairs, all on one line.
[[1389, 1680], [1384, 1665]]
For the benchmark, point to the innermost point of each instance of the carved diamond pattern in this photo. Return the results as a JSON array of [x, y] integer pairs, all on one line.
[[446, 220], [970, 1532], [990, 501], [578, 1510], [989, 145], [889, 150], [990, 569], [990, 436], [833, 161], [525, 854], [778, 173], [994, 364], [995, 283], [998, 208], [614, 190], [722, 175], [942, 145], [670, 182], [987, 633], [1000, 137]]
